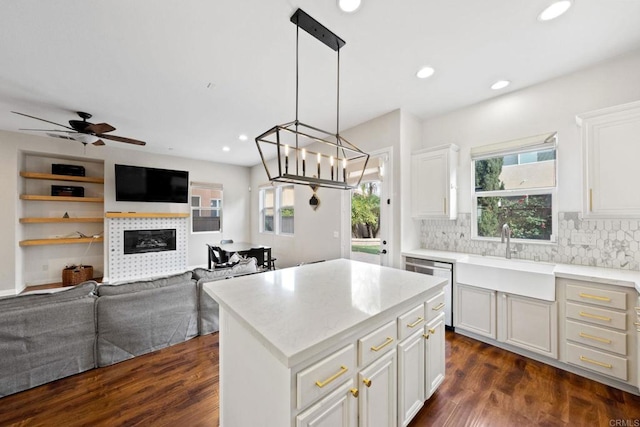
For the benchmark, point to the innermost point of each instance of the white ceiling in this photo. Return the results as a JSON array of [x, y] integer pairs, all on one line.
[[144, 66]]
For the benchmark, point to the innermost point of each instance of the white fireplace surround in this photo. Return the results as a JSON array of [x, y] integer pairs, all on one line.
[[145, 265]]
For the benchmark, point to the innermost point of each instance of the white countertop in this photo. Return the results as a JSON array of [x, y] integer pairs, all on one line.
[[610, 276], [296, 312]]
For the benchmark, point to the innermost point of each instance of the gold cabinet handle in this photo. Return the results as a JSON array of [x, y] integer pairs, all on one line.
[[445, 205], [595, 362], [592, 337], [636, 323], [342, 370], [388, 341], [596, 297], [426, 336], [416, 323], [432, 331], [367, 382], [438, 307], [590, 200], [354, 392], [595, 316]]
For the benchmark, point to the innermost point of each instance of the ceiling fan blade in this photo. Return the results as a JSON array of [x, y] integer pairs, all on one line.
[[99, 128], [122, 139], [42, 120], [99, 142], [55, 135], [45, 130]]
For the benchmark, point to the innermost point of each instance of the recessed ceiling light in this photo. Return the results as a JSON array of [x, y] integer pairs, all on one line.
[[349, 5], [425, 72], [243, 137], [500, 84], [225, 148], [554, 10]]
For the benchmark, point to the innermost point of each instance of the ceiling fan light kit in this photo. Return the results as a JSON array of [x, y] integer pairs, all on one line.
[[337, 163]]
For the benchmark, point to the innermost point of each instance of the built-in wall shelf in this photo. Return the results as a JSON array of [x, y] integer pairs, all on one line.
[[61, 220], [62, 198], [50, 176], [145, 215], [60, 241]]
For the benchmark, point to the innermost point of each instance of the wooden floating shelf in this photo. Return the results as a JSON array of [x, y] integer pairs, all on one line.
[[42, 220], [60, 241], [62, 198], [145, 215], [50, 176]]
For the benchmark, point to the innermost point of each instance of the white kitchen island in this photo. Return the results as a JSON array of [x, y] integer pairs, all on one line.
[[336, 343]]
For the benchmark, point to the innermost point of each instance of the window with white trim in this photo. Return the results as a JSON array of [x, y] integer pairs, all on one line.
[[515, 183], [277, 209], [206, 207]]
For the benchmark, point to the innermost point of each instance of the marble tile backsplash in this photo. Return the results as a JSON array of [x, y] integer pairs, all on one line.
[[612, 243]]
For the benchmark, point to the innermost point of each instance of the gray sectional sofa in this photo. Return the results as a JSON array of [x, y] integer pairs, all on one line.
[[47, 336]]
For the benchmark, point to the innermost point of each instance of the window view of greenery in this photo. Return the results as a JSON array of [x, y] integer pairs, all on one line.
[[365, 218], [510, 189]]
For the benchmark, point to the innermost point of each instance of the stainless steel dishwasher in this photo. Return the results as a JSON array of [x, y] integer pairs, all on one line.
[[437, 269]]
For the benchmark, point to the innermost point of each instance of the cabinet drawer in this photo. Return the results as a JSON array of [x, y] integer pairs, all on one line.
[[377, 343], [435, 306], [410, 322], [597, 337], [597, 316], [596, 296], [594, 360], [324, 376]]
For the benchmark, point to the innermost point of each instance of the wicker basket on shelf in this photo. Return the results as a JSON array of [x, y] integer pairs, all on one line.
[[76, 274]]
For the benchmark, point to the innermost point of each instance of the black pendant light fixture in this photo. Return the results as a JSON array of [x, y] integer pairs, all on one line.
[[306, 154]]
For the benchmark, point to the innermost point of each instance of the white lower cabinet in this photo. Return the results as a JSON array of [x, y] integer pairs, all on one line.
[[476, 310], [411, 382], [378, 393], [339, 409], [528, 323], [434, 354]]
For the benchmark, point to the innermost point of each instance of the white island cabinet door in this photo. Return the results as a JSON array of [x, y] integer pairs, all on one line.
[[339, 409], [378, 393], [434, 354], [411, 381]]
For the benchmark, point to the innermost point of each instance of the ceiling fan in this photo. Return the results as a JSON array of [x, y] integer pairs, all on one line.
[[83, 131]]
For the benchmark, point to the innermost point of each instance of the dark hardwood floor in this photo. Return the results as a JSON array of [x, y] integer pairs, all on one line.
[[178, 386]]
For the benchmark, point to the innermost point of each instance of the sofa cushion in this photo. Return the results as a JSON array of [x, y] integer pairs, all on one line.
[[44, 337], [142, 285], [209, 318], [146, 319], [244, 266]]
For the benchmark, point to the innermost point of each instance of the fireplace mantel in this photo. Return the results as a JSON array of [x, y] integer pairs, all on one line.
[[146, 215]]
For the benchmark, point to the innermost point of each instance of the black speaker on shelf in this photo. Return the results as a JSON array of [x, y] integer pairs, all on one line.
[[67, 190], [73, 170]]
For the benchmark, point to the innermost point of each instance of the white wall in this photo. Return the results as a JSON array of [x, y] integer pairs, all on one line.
[[547, 107], [236, 218]]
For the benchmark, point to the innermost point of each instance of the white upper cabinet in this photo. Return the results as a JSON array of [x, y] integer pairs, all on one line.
[[434, 182], [611, 149]]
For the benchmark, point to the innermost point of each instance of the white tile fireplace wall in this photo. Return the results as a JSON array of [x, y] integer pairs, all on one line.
[[612, 243], [145, 265]]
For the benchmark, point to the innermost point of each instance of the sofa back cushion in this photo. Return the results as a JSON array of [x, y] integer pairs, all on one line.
[[44, 337], [143, 285], [244, 266]]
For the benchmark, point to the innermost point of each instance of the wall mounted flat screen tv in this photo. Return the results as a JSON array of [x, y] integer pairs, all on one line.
[[140, 184]]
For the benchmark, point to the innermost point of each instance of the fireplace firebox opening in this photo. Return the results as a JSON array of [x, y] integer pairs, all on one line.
[[145, 241]]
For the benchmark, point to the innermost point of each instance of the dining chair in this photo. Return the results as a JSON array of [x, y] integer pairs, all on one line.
[[216, 256]]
